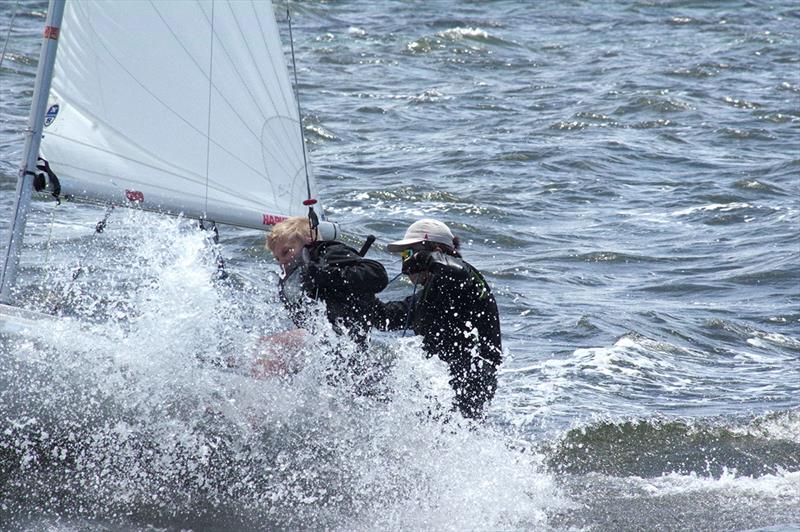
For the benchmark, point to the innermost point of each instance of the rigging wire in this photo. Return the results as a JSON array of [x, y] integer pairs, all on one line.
[[99, 228], [297, 98], [8, 33], [48, 245], [220, 274], [313, 220]]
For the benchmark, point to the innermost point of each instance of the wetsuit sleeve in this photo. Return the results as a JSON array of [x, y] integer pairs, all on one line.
[[392, 315], [346, 271], [457, 303], [367, 276], [436, 262], [437, 297]]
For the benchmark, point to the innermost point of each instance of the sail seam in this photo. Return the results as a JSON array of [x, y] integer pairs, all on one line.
[[286, 101], [288, 135], [300, 118], [239, 75], [186, 176], [256, 136], [264, 116]]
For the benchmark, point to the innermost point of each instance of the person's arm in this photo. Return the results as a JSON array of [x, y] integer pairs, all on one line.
[[280, 354], [392, 315], [436, 262], [459, 299], [346, 271], [366, 276]]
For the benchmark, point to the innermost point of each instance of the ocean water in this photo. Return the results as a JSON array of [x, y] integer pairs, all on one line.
[[627, 176]]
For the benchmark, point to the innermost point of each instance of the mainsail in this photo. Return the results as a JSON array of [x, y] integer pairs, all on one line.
[[177, 106], [182, 107]]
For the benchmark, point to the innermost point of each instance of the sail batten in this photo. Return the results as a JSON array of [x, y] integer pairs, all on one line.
[[186, 107]]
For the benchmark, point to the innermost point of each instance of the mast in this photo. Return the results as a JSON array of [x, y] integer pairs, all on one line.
[[41, 92]]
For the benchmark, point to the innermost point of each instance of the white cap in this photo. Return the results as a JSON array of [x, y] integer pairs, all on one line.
[[425, 230]]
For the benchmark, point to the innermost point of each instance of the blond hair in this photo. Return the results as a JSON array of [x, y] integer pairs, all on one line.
[[294, 226]]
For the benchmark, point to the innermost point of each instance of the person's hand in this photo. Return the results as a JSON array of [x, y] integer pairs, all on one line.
[[293, 340], [279, 354], [268, 367], [419, 262]]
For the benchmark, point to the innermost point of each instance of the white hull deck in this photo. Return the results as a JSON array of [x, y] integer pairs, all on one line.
[[21, 322]]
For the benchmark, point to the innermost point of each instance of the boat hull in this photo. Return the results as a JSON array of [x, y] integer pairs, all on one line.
[[21, 322]]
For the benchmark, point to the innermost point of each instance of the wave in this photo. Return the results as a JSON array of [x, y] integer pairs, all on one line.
[[712, 449], [728, 213], [471, 39], [156, 420], [755, 336], [757, 186], [683, 502], [616, 257]]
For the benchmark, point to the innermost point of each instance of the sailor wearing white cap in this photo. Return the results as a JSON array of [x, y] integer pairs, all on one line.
[[454, 312]]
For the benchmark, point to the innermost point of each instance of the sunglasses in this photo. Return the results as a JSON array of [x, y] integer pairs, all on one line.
[[407, 253]]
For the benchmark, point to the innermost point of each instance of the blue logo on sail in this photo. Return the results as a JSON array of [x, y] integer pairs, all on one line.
[[52, 112]]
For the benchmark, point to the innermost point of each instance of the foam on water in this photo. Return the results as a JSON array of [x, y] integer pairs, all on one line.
[[636, 376], [683, 501], [625, 174], [781, 426], [158, 419], [783, 487]]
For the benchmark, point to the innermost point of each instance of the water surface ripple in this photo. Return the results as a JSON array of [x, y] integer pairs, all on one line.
[[628, 176]]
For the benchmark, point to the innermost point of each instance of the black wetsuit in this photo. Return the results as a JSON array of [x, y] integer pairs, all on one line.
[[336, 274], [456, 315]]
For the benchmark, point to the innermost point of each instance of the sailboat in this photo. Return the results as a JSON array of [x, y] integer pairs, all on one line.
[[181, 108]]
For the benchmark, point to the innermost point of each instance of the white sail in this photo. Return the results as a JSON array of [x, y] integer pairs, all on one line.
[[179, 106]]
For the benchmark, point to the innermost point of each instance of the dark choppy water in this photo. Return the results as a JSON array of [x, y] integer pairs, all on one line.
[[627, 175]]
